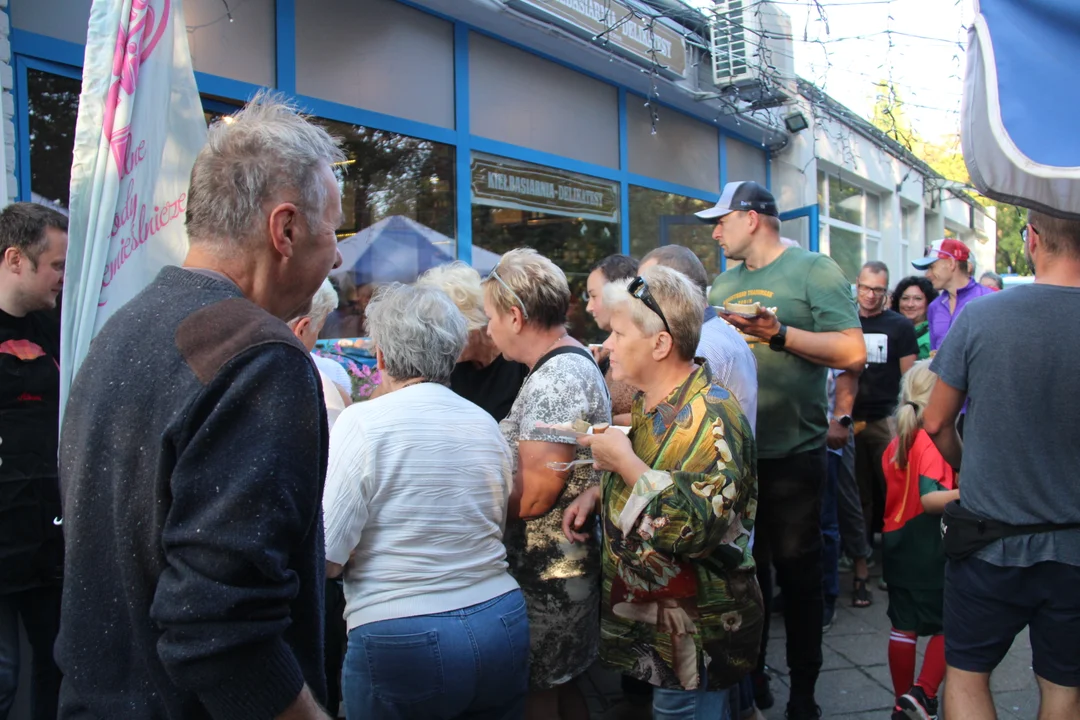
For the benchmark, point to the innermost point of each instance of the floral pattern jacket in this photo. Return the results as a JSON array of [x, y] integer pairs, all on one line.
[[680, 592]]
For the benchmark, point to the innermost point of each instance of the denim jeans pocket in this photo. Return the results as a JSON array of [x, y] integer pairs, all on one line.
[[516, 623], [404, 669]]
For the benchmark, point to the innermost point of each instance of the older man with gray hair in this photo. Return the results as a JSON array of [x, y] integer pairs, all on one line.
[[193, 452]]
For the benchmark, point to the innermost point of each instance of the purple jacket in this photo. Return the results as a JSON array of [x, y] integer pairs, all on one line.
[[941, 319]]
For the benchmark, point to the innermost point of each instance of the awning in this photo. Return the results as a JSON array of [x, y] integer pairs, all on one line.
[[1021, 112]]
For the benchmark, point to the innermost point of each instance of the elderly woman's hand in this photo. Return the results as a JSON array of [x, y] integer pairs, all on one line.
[[612, 451], [578, 512]]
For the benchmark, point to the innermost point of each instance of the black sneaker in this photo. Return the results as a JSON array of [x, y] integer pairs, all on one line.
[[763, 696], [916, 706], [803, 711], [827, 619]]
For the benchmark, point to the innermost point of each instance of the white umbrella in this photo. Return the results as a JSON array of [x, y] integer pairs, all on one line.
[[139, 129]]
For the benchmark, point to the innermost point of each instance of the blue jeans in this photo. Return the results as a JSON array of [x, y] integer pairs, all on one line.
[[697, 704], [830, 533], [468, 663]]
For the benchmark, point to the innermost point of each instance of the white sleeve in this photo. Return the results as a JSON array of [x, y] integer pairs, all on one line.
[[335, 371], [345, 497]]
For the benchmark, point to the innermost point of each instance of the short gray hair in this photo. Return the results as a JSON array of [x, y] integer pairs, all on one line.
[[679, 298], [994, 278], [419, 330], [462, 283], [265, 151], [324, 302]]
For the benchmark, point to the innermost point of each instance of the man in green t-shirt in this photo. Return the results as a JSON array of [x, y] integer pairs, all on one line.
[[797, 312]]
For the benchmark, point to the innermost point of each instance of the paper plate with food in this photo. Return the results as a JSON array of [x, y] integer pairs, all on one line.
[[746, 310]]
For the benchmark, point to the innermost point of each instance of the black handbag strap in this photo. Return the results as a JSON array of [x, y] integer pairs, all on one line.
[[562, 351]]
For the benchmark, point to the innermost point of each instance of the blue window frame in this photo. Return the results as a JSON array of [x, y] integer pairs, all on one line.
[[32, 50]]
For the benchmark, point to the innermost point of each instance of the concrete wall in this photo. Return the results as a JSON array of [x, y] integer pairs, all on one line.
[[829, 145]]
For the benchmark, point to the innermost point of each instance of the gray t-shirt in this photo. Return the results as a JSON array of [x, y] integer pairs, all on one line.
[[1014, 353]]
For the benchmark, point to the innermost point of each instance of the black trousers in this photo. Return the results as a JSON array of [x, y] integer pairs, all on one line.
[[336, 638], [787, 536], [39, 610]]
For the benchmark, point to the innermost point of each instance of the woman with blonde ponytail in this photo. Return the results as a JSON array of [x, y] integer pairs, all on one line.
[[918, 485]]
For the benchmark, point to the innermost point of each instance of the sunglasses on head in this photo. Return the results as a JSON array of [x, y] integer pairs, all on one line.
[[640, 289], [495, 274]]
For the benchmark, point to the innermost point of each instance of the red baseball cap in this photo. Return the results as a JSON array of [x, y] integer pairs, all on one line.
[[946, 248]]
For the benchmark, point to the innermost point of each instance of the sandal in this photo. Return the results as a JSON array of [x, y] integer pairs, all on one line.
[[860, 595]]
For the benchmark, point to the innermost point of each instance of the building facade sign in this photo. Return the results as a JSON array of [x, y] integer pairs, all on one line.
[[628, 31], [503, 183]]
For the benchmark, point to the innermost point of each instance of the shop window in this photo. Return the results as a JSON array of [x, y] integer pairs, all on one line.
[[398, 199], [853, 219], [53, 107], [659, 218], [571, 219]]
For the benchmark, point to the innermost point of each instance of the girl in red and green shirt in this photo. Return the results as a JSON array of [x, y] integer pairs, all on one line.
[[918, 485]]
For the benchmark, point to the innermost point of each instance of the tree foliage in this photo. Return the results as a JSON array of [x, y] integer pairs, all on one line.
[[946, 157]]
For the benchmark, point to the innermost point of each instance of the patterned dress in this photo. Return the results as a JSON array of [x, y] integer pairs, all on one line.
[[679, 587], [561, 582]]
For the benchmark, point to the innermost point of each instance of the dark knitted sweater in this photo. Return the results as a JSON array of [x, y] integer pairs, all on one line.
[[193, 453]]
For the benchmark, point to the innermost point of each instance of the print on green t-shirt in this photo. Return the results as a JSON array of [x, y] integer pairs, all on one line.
[[810, 293]]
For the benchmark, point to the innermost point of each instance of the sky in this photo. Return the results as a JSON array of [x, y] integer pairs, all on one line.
[[917, 44]]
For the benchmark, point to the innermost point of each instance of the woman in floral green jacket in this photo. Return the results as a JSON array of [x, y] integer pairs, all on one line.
[[681, 608]]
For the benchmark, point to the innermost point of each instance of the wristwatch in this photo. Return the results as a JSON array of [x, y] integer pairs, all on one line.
[[843, 420], [776, 342]]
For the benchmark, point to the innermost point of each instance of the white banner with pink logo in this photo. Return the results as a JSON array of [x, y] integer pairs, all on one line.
[[139, 129]]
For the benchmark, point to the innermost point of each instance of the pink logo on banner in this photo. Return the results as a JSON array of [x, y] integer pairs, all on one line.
[[133, 47]]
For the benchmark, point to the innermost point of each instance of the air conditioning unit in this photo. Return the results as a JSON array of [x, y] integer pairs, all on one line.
[[752, 53]]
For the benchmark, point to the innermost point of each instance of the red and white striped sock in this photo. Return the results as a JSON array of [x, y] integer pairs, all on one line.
[[902, 660]]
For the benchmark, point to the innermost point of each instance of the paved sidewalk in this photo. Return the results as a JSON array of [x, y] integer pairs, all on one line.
[[854, 682]]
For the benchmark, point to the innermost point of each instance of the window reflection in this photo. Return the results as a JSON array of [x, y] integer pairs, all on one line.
[[659, 218], [576, 245], [53, 108], [845, 247], [398, 199]]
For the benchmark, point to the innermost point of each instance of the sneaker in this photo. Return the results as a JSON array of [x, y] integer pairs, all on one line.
[[803, 711], [916, 705], [763, 696], [827, 620]]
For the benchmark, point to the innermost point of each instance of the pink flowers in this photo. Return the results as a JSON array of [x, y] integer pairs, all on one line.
[[364, 377]]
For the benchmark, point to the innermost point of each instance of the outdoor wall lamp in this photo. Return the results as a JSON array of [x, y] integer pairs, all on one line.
[[796, 122]]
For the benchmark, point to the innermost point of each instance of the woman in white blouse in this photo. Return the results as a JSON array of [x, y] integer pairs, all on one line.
[[415, 507]]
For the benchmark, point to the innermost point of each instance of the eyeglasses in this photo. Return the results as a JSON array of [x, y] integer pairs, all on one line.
[[640, 289], [867, 290], [494, 274], [1024, 232]]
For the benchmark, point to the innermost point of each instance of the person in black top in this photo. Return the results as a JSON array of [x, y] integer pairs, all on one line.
[[482, 375], [890, 351], [33, 243], [610, 269]]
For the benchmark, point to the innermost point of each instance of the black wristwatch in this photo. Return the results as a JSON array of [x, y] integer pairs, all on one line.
[[776, 342], [843, 420]]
